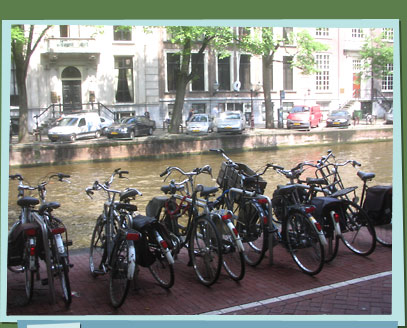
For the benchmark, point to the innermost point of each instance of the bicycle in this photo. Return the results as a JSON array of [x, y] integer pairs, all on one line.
[[112, 248], [199, 233], [300, 233], [357, 230], [42, 239]]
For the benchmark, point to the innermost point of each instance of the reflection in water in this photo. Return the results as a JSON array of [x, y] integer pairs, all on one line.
[[79, 212]]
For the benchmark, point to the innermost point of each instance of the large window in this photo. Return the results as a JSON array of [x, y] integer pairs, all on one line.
[[224, 73], [244, 72], [121, 33], [388, 34], [124, 79], [64, 31], [387, 79], [322, 76], [288, 74], [173, 69], [198, 69], [13, 86], [287, 34]]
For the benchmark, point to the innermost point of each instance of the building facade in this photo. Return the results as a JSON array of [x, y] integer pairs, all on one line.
[[125, 71]]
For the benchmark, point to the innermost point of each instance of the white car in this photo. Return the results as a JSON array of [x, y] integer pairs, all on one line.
[[200, 123], [231, 121]]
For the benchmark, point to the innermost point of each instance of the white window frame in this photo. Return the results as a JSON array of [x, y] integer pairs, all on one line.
[[205, 54], [358, 33], [230, 70], [388, 34], [322, 77], [387, 80], [322, 32]]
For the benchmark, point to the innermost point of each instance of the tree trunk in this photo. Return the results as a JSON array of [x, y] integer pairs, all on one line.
[[267, 89]]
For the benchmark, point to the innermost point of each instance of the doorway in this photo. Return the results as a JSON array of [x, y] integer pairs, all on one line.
[[71, 88]]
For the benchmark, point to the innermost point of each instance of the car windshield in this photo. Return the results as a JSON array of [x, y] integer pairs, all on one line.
[[127, 120], [68, 121], [199, 118], [339, 113], [230, 116], [299, 109]]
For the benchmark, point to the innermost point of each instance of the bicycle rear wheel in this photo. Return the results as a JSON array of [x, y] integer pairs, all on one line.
[[119, 282], [161, 269], [332, 238], [358, 233], [303, 242], [205, 250], [97, 248], [65, 283], [384, 234], [28, 273]]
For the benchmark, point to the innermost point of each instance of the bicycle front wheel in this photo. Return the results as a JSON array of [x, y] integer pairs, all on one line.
[[358, 233], [161, 269], [97, 248], [303, 242], [205, 250], [119, 282], [331, 237]]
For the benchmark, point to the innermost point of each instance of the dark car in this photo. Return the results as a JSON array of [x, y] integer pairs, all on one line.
[[130, 127], [338, 118]]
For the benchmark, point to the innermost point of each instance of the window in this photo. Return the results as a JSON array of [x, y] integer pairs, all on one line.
[[13, 86], [322, 31], [124, 77], [242, 32], [198, 69], [64, 31], [244, 72], [287, 34], [224, 73], [387, 79], [287, 73], [198, 108], [356, 65], [322, 76], [357, 33], [388, 34], [121, 33], [173, 68]]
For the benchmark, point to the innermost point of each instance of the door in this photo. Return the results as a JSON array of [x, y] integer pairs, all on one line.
[[72, 94], [356, 85]]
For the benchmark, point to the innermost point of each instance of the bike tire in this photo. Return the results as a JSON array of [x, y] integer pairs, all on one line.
[[205, 250], [358, 232], [65, 283], [332, 238], [29, 274], [384, 234], [303, 242], [161, 269], [119, 283], [252, 229], [97, 251]]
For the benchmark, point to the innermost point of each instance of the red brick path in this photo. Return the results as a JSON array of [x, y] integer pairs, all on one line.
[[188, 296]]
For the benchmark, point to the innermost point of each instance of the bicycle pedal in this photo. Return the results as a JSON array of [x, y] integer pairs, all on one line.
[[44, 282], [68, 243], [71, 265]]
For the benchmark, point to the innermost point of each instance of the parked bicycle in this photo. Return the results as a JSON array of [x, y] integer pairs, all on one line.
[[112, 248], [296, 229], [188, 227], [38, 234]]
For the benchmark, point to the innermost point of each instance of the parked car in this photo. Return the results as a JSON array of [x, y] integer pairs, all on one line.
[[304, 117], [388, 117], [130, 127], [105, 123], [231, 121], [200, 123], [72, 127], [339, 118]]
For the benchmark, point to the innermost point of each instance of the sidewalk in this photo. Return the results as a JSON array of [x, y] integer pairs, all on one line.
[[349, 285]]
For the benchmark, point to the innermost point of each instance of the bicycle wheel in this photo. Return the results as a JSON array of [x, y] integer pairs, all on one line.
[[205, 250], [358, 233], [233, 257], [98, 248], [332, 238], [119, 282], [384, 234], [303, 242], [161, 269], [65, 283], [28, 273], [251, 228]]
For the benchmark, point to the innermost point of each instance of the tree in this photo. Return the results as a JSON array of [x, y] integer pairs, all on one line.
[[24, 41], [376, 55], [193, 39], [265, 43]]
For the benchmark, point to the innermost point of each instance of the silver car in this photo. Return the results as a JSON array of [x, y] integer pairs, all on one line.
[[200, 123], [231, 121]]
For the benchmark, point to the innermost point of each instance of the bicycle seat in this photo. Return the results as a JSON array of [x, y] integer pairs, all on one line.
[[316, 181], [141, 221], [171, 189], [48, 206], [366, 175], [206, 191], [27, 201], [288, 189], [128, 194]]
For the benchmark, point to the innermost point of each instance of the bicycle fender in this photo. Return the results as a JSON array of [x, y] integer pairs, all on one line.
[[237, 238], [132, 262], [337, 227], [320, 233]]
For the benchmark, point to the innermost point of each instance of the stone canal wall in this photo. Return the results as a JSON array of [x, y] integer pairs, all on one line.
[[46, 153]]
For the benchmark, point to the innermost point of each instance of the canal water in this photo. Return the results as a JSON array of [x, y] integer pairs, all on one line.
[[79, 212]]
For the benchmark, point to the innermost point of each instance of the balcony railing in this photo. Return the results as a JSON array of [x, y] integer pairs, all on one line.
[[72, 45]]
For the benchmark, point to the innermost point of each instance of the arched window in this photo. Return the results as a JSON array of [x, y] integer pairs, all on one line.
[[71, 73]]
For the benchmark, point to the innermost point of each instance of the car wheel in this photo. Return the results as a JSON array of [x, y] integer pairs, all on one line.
[[97, 134], [132, 134], [72, 137], [150, 131]]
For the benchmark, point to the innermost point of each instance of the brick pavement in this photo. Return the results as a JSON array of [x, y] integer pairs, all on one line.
[[189, 297]]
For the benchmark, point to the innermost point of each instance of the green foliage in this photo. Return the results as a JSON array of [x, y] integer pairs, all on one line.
[[376, 54], [17, 34]]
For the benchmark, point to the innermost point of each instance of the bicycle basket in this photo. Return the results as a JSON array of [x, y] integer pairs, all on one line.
[[230, 177]]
